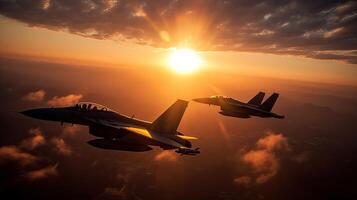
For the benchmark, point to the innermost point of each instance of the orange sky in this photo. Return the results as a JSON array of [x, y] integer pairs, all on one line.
[[18, 39]]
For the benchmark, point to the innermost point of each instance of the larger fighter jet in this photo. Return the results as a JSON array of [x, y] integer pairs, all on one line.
[[120, 132], [234, 108]]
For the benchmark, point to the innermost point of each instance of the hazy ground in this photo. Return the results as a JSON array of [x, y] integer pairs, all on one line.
[[311, 154]]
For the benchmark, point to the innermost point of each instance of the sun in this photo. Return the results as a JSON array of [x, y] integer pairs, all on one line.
[[184, 60]]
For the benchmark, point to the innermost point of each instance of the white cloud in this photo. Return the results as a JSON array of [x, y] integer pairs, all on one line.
[[262, 159], [36, 96], [65, 100]]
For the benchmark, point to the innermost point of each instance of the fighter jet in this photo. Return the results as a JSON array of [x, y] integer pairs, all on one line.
[[234, 108], [120, 132]]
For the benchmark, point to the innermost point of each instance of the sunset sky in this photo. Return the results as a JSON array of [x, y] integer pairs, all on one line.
[[137, 57], [302, 41]]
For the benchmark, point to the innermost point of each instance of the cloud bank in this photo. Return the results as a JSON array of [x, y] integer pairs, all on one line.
[[316, 29]]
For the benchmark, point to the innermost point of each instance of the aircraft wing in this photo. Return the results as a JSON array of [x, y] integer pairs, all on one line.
[[136, 133]]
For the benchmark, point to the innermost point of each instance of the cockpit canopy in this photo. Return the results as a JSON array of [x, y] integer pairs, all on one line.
[[90, 106], [218, 96]]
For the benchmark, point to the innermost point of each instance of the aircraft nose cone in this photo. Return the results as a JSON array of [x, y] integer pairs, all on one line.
[[29, 113], [203, 100], [40, 113], [199, 100]]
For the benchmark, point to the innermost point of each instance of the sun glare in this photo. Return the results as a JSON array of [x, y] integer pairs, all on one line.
[[184, 60]]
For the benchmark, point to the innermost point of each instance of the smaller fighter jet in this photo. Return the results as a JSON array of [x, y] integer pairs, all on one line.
[[234, 108]]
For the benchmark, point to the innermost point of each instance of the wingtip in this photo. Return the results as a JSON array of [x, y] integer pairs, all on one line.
[[182, 101]]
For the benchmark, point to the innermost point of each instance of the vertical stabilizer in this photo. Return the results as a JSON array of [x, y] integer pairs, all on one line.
[[269, 103], [168, 121], [257, 100]]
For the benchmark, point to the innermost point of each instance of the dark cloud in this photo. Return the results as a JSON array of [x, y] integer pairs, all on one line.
[[123, 193], [36, 139], [317, 29], [13, 153], [42, 173], [127, 190], [61, 146], [301, 157], [245, 181], [71, 131]]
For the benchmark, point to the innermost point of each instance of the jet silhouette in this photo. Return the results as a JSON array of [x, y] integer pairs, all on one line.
[[234, 108], [120, 132]]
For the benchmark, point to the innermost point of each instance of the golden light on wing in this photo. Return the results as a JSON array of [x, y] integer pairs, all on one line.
[[186, 137], [184, 60], [140, 131]]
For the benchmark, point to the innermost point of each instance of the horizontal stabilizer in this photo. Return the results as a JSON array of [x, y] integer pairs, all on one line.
[[269, 103], [168, 121], [257, 100]]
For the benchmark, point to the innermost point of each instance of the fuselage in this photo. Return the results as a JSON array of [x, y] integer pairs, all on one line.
[[74, 116]]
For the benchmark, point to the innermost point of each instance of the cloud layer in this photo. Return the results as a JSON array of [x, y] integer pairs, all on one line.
[[317, 29]]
